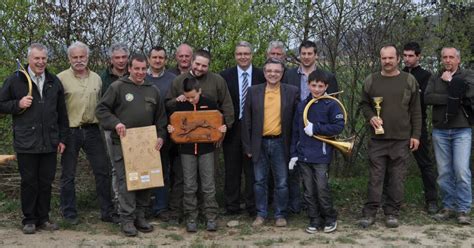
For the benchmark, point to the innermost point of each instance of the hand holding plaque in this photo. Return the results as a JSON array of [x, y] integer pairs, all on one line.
[[378, 100], [196, 126]]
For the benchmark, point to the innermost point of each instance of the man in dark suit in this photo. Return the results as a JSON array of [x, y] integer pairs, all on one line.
[[239, 79], [298, 77], [266, 134]]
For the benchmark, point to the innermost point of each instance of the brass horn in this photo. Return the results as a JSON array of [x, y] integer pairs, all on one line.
[[343, 145]]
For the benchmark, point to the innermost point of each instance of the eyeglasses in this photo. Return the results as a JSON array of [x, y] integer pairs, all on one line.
[[273, 71], [243, 54]]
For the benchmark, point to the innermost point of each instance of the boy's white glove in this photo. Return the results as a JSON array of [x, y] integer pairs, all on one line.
[[292, 163], [308, 130]]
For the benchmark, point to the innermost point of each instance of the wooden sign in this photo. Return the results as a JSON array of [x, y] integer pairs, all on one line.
[[196, 126], [142, 162]]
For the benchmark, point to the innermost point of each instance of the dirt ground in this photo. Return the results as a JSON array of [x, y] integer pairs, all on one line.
[[99, 234]]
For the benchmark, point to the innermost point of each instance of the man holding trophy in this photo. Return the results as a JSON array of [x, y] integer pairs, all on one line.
[[390, 103]]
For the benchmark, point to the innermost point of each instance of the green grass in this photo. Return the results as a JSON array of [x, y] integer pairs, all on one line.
[[270, 242], [174, 236]]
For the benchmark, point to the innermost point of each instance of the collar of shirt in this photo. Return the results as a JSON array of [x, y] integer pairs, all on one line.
[[33, 76], [300, 71], [240, 72], [149, 72], [79, 77]]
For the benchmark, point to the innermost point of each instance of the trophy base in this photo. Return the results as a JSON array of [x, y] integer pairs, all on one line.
[[379, 131]]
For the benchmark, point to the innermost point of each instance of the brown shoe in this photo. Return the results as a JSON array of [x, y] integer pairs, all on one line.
[[49, 226], [280, 222], [258, 221], [444, 214], [464, 218]]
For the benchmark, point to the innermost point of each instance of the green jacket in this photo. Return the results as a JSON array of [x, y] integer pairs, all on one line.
[[436, 94], [132, 105]]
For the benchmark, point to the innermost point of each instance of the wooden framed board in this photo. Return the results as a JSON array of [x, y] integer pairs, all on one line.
[[196, 126], [142, 162]]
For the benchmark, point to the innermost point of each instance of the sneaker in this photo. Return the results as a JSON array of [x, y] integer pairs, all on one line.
[[331, 227], [366, 222], [29, 229], [258, 221], [191, 226], [142, 225], [391, 221], [312, 228], [49, 226], [72, 221], [129, 229], [211, 226], [280, 222], [464, 218], [432, 207], [444, 214]]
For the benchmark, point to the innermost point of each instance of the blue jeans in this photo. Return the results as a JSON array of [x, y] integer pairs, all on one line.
[[452, 149], [272, 156]]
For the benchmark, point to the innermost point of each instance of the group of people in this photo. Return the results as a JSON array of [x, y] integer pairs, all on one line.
[[268, 139]]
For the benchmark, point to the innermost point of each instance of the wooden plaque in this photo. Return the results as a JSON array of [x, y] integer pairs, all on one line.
[[142, 162], [196, 126]]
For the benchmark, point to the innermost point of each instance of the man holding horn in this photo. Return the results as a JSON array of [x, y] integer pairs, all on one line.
[[40, 127]]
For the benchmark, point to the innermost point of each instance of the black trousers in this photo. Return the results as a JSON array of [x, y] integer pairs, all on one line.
[[317, 194], [427, 169], [88, 139], [237, 162], [176, 194], [37, 173]]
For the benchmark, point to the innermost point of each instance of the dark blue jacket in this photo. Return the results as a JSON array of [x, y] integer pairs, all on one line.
[[45, 123], [328, 120]]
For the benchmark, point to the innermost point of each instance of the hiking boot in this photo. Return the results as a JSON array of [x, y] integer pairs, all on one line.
[[444, 214], [464, 218], [111, 218], [330, 227], [143, 226], [163, 216], [49, 226], [258, 221], [211, 226], [72, 221], [191, 226], [280, 222], [366, 221], [128, 228], [431, 208], [29, 229], [391, 221]]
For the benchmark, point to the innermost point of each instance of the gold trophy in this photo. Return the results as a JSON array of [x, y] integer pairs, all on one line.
[[378, 100]]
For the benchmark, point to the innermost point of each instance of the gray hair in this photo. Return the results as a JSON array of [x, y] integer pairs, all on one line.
[[274, 61], [118, 47], [78, 44], [37, 46], [244, 44], [458, 53], [276, 44]]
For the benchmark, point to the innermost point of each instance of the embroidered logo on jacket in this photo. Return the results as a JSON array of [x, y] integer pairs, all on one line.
[[129, 97]]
